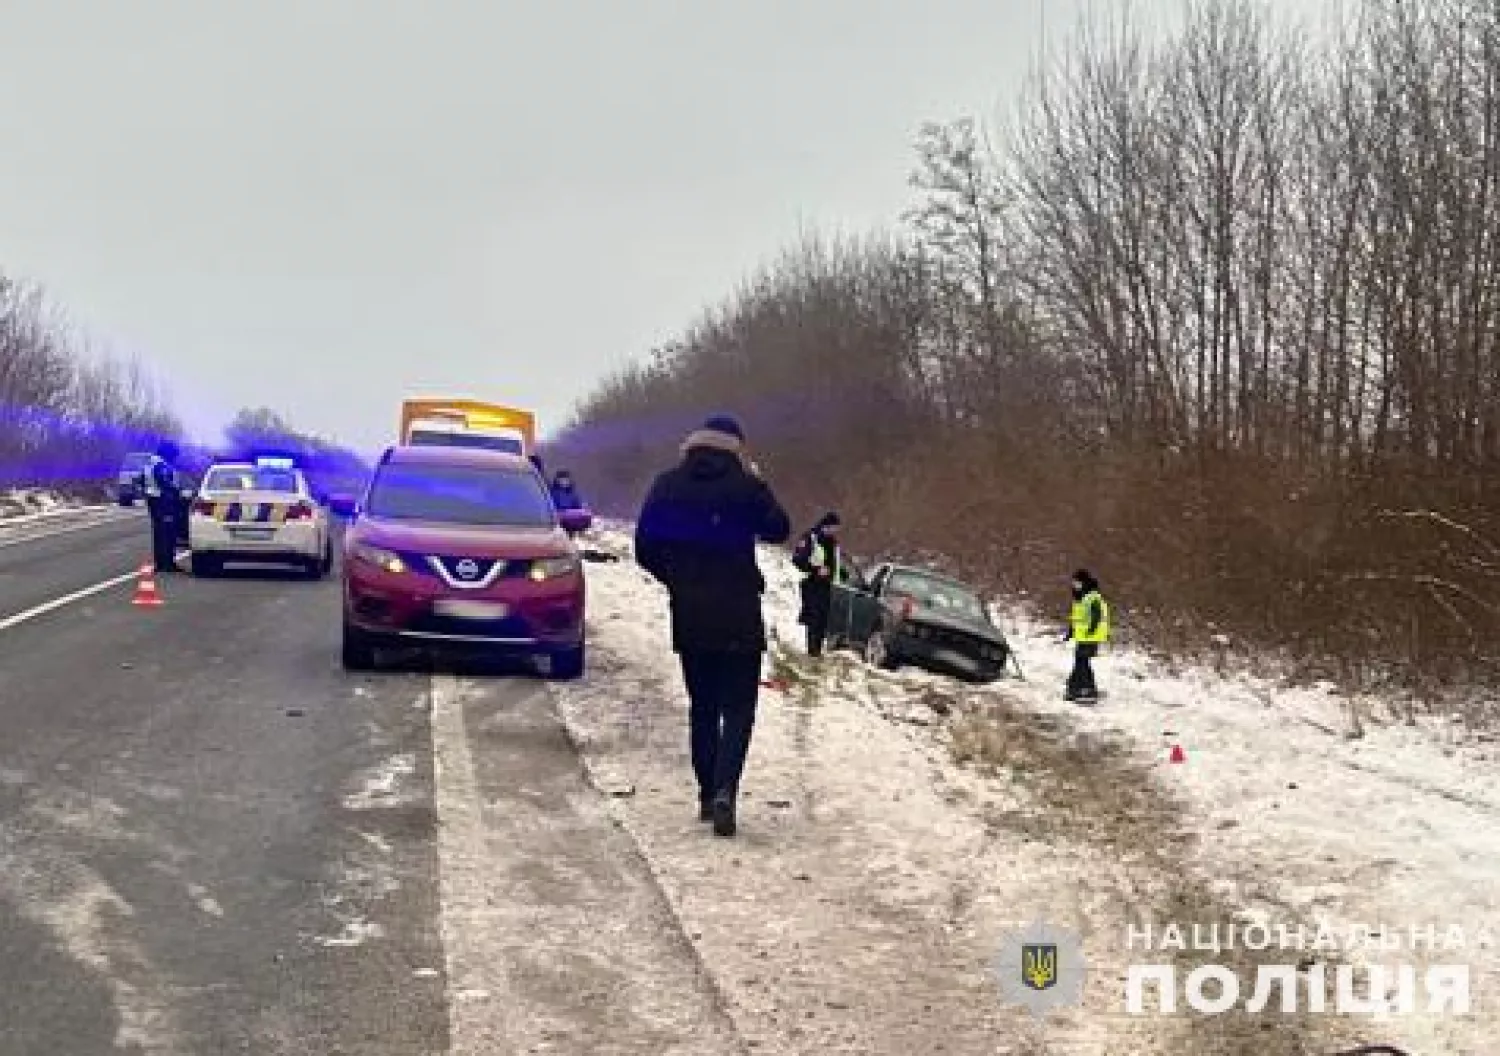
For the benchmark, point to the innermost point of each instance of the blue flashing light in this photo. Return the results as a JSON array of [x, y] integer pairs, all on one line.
[[275, 462]]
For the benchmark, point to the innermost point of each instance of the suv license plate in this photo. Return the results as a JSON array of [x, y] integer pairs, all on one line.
[[471, 610], [252, 533]]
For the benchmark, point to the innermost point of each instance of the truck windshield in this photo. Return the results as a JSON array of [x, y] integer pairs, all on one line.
[[466, 495], [485, 442]]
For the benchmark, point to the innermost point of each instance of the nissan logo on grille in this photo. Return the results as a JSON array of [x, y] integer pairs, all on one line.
[[466, 569]]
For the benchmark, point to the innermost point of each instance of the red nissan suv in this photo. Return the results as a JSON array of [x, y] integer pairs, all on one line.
[[461, 547]]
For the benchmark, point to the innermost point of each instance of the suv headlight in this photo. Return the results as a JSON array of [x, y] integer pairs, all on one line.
[[553, 568], [381, 559]]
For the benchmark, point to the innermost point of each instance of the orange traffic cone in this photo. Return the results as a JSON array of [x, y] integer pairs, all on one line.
[[145, 589], [1178, 755]]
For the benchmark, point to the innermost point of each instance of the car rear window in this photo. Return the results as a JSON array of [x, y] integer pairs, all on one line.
[[937, 594], [135, 461], [252, 480], [460, 495]]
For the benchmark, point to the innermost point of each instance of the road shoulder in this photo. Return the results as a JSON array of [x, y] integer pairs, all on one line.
[[557, 937]]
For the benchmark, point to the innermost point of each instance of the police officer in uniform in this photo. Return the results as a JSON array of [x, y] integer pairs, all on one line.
[[820, 560], [1088, 629], [164, 505]]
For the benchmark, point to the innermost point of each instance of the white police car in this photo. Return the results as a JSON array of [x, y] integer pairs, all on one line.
[[259, 512]]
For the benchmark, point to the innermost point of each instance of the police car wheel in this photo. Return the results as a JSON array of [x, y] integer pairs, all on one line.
[[205, 565]]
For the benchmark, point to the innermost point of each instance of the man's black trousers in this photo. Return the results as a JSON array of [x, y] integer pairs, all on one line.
[[164, 526], [1081, 680], [817, 603], [722, 688]]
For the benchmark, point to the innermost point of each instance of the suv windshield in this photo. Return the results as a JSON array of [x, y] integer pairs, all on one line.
[[252, 480], [460, 495], [937, 594]]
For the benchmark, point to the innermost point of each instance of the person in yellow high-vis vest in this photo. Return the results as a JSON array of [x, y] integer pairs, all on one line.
[[1088, 629]]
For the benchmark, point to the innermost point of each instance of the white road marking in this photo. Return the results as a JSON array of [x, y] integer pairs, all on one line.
[[16, 619], [67, 599], [475, 1025]]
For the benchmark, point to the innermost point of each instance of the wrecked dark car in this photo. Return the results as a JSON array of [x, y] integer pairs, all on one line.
[[902, 615]]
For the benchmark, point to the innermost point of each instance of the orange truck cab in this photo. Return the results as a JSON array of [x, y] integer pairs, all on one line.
[[468, 423]]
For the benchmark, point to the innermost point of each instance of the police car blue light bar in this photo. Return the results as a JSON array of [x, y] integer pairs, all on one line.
[[275, 462]]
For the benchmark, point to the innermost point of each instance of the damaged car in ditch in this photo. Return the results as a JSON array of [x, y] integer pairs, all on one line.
[[901, 615]]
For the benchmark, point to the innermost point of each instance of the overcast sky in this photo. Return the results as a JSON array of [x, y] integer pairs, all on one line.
[[327, 205]]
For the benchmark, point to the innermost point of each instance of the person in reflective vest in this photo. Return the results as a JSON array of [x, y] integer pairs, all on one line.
[[820, 559], [159, 483], [1088, 629]]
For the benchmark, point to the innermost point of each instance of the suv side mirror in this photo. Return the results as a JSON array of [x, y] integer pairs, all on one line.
[[575, 521]]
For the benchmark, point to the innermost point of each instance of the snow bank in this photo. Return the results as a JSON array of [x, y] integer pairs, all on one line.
[[19, 504], [864, 903]]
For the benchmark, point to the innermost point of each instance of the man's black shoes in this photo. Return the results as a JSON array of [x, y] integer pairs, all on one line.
[[723, 817]]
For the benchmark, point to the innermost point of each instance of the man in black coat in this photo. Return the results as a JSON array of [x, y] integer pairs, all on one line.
[[820, 560], [696, 535]]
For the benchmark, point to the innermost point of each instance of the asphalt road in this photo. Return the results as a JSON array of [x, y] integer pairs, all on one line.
[[214, 840]]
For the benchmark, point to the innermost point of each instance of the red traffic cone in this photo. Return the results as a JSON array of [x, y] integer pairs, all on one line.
[[145, 589], [1178, 755]]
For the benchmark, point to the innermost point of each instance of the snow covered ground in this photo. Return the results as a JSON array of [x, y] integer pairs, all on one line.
[[32, 504], [896, 827]]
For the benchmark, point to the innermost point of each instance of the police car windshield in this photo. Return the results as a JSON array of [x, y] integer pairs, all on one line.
[[460, 495], [259, 479], [937, 594]]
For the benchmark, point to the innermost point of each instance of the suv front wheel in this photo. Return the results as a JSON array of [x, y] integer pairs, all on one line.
[[567, 664], [358, 649]]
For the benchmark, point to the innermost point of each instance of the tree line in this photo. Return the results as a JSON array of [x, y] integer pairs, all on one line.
[[69, 414], [1214, 313]]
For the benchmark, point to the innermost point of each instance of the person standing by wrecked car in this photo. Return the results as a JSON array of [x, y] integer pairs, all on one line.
[[696, 535], [820, 559], [1088, 629]]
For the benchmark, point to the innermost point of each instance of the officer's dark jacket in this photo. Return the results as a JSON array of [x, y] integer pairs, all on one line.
[[696, 534]]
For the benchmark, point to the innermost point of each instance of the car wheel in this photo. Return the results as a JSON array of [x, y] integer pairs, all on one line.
[[205, 565], [877, 652], [568, 664], [315, 567], [358, 650]]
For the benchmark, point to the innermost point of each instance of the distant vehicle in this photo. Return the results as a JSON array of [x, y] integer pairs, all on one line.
[[259, 512], [467, 423], [437, 432], [459, 547], [128, 484], [903, 615]]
